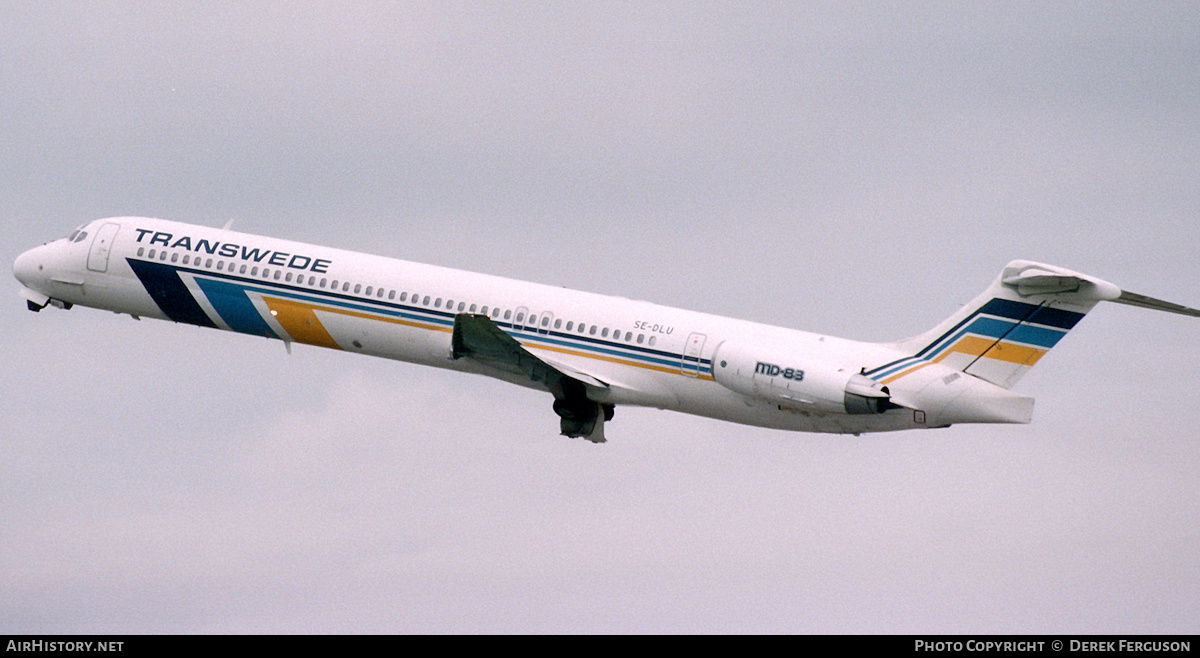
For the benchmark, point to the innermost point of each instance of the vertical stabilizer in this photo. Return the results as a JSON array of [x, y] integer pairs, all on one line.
[[1004, 331]]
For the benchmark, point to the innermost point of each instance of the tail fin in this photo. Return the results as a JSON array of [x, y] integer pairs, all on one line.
[[1003, 332]]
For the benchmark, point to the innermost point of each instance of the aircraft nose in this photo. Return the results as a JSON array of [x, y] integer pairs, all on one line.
[[26, 267]]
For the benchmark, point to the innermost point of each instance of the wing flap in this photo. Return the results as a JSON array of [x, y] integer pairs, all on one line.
[[477, 337]]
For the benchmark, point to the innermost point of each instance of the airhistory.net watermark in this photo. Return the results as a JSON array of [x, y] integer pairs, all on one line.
[[59, 645]]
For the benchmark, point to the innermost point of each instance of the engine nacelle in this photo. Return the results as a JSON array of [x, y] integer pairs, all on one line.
[[796, 382]]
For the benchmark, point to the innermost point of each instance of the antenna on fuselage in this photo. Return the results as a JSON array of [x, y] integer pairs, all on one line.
[[227, 225]]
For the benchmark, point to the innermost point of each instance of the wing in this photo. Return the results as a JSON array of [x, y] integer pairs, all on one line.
[[477, 337]]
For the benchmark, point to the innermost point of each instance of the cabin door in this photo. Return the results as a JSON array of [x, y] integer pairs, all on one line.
[[689, 364], [101, 247]]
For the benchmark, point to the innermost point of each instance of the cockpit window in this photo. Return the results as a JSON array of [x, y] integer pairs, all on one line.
[[78, 235]]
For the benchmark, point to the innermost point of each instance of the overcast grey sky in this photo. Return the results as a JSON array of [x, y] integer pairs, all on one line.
[[859, 169]]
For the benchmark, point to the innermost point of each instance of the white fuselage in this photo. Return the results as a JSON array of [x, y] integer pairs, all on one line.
[[644, 354]]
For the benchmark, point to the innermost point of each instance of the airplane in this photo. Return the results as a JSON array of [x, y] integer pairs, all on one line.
[[591, 352]]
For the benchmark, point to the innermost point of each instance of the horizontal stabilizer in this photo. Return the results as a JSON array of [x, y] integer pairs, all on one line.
[[1048, 281], [1134, 299]]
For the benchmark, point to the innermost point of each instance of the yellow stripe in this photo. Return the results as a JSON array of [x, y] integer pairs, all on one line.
[[300, 322], [407, 323], [357, 314], [1021, 354], [902, 373], [985, 347], [613, 359]]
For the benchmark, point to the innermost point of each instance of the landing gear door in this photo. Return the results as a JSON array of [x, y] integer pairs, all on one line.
[[101, 247], [690, 363]]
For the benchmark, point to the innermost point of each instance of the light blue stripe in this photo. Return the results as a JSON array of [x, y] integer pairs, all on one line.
[[583, 344], [234, 307]]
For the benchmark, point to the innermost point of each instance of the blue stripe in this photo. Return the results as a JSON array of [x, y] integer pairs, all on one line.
[[228, 295], [673, 363], [446, 319], [986, 327], [1055, 324], [169, 293], [234, 307], [1020, 333], [1039, 336], [1053, 317]]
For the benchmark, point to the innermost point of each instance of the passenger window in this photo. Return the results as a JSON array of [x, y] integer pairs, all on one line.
[[380, 293], [162, 255], [520, 317], [592, 330], [507, 314], [357, 288], [652, 340], [391, 294], [254, 271], [425, 302], [186, 258], [141, 250], [324, 281], [472, 309], [208, 263], [570, 324], [545, 321], [461, 306], [276, 275], [604, 333], [153, 252], [287, 278], [345, 286], [369, 290], [242, 270], [557, 324], [641, 337], [266, 273], [438, 303]]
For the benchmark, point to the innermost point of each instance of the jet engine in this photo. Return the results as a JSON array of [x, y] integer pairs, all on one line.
[[797, 382]]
